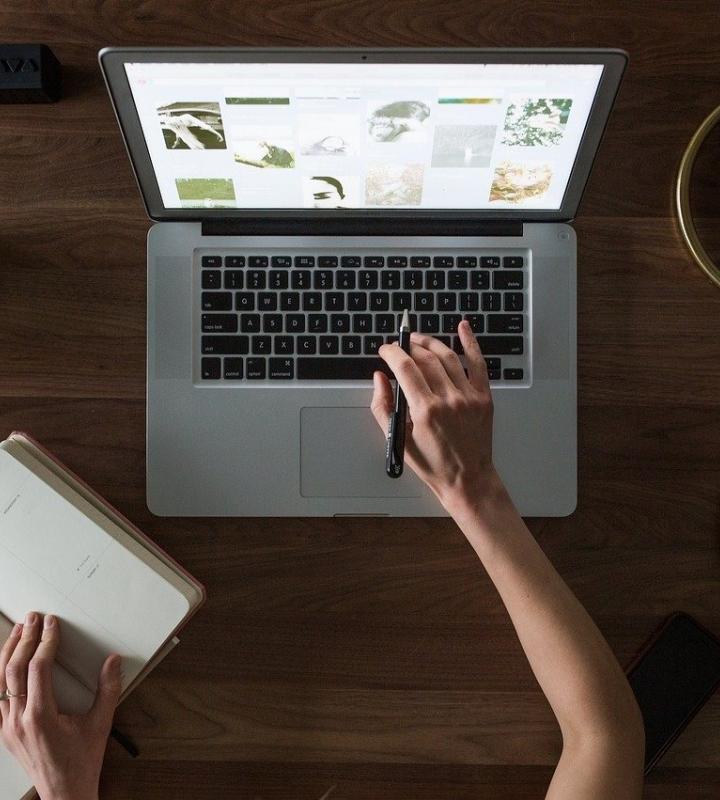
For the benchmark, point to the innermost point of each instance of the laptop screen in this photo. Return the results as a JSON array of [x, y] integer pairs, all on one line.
[[363, 136]]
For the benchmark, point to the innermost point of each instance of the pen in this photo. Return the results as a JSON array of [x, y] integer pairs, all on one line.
[[395, 442]]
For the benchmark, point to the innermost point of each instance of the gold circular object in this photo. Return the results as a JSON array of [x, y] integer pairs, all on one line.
[[682, 199]]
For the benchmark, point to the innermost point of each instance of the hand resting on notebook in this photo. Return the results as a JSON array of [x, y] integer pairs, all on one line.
[[62, 754]]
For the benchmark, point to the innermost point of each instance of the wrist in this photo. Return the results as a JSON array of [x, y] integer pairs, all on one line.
[[478, 502]]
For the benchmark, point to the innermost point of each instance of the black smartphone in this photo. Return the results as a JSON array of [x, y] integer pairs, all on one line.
[[673, 677]]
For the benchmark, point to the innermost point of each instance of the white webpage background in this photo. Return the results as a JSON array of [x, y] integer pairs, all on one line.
[[352, 90]]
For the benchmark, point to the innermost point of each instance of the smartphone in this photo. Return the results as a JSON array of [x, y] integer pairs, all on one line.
[[673, 677]]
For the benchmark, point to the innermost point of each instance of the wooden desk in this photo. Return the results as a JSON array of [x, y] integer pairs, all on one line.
[[375, 657]]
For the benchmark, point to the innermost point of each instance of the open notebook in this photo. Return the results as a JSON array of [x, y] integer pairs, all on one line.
[[65, 551]]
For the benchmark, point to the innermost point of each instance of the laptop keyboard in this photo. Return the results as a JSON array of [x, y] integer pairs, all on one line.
[[310, 316]]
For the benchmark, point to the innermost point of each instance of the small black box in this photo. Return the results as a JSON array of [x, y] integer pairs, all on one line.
[[29, 73]]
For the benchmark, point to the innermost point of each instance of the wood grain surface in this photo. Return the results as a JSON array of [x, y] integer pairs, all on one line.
[[372, 660]]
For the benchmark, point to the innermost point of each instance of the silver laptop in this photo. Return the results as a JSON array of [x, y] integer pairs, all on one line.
[[303, 199]]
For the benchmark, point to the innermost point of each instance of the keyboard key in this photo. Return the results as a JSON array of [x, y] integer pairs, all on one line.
[[421, 262], [300, 279], [219, 323], [413, 322], [312, 301], [281, 368], [401, 301], [480, 280], [250, 323], [491, 301], [450, 323], [340, 368], [329, 345], [505, 323], [258, 262], [367, 279], [397, 262], [469, 301], [362, 323], [281, 261], [357, 301], [306, 345], [289, 301], [210, 369], [429, 323], [492, 363], [501, 345], [443, 262], [256, 368], [234, 262], [284, 345], [225, 345], [340, 323], [345, 279], [435, 280], [350, 345], [327, 261], [272, 323], [260, 345], [511, 374], [277, 279], [304, 261], [477, 322], [412, 280], [255, 279], [234, 279], [211, 262], [467, 261], [379, 301], [446, 340], [513, 262], [507, 280], [323, 279], [334, 301], [490, 262], [385, 323], [244, 301], [210, 279], [317, 323], [267, 301], [513, 301], [446, 301], [493, 374], [351, 261], [216, 301], [458, 279], [371, 344], [232, 368], [424, 301], [375, 261], [295, 323], [390, 279]]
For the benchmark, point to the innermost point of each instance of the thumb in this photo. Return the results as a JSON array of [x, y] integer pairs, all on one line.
[[381, 404], [108, 692]]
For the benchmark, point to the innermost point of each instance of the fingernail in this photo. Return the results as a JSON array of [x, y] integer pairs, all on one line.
[[31, 618], [17, 629], [115, 663], [49, 621]]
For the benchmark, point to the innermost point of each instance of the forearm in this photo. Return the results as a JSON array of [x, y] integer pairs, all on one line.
[[571, 660]]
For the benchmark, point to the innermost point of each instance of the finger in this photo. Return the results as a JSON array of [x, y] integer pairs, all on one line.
[[435, 376], [477, 368], [7, 650], [447, 358], [108, 693], [407, 373], [381, 404], [40, 692], [16, 672]]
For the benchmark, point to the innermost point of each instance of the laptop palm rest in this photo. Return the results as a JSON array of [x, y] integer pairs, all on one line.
[[342, 454]]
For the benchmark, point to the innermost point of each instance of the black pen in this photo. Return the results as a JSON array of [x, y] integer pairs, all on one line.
[[395, 442]]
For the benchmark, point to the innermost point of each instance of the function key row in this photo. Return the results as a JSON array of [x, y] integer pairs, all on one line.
[[355, 262]]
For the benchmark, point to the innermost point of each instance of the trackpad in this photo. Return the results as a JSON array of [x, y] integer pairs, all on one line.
[[342, 454]]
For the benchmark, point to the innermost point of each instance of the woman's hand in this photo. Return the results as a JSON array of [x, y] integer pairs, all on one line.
[[449, 437], [62, 754]]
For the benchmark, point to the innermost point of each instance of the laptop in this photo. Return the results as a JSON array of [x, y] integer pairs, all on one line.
[[302, 200]]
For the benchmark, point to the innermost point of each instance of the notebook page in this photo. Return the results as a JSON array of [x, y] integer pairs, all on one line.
[[53, 559]]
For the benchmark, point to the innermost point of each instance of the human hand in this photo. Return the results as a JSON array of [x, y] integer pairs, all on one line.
[[448, 442], [62, 754]]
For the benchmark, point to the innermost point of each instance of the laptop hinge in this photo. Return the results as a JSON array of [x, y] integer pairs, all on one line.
[[360, 227]]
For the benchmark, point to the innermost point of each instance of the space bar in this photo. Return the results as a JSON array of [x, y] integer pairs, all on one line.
[[350, 368]]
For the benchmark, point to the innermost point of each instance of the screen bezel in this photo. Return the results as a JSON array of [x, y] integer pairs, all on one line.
[[113, 59]]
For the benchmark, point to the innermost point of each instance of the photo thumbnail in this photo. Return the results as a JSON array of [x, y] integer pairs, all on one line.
[[514, 183], [536, 122], [192, 126], [394, 184], [400, 121]]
